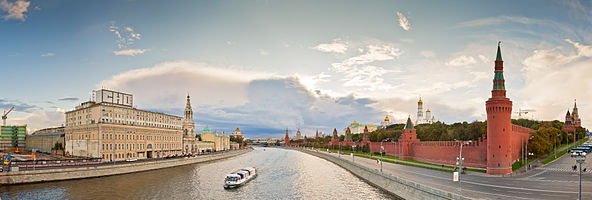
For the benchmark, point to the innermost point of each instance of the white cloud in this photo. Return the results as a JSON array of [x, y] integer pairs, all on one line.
[[499, 20], [462, 61], [378, 52], [40, 119], [554, 79], [15, 10], [224, 97], [47, 54], [263, 52], [403, 22], [130, 52], [427, 54], [126, 36], [483, 58], [583, 50], [337, 46]]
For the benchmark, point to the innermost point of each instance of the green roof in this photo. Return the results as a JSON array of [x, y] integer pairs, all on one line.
[[409, 124]]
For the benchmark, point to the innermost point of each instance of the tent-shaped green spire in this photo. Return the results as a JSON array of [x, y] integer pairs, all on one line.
[[409, 124], [575, 106], [499, 51]]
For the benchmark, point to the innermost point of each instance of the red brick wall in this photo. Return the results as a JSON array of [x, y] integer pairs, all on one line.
[[442, 152]]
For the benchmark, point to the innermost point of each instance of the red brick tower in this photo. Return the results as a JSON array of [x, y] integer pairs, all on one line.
[[408, 137], [335, 139], [287, 138], [576, 121], [499, 125], [568, 126], [348, 137], [366, 138]]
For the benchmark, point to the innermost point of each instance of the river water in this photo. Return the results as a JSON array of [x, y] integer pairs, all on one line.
[[282, 174]]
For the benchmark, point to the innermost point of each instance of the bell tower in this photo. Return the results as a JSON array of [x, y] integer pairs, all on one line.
[[188, 123], [499, 125]]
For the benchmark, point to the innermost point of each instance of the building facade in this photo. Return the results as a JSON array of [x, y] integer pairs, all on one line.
[[13, 137], [357, 128], [221, 141], [111, 129], [45, 142]]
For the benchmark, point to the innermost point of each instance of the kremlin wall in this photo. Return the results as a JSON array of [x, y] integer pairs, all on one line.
[[495, 151]]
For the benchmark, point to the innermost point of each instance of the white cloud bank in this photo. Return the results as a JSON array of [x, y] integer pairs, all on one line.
[[15, 10], [225, 98]]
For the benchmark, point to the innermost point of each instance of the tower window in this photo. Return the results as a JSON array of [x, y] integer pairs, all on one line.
[[500, 146]]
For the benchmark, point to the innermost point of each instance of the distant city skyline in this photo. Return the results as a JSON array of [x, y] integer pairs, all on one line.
[[263, 66]]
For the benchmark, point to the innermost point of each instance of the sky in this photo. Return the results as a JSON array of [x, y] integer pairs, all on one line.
[[265, 66]]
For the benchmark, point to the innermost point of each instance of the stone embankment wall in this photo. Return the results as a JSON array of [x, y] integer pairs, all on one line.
[[20, 177], [405, 189]]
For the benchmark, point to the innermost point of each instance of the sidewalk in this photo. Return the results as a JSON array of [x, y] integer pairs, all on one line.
[[432, 166]]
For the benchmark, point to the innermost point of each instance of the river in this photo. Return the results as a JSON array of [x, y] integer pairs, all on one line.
[[282, 174]]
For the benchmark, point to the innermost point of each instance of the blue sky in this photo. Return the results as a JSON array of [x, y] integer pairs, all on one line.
[[267, 65]]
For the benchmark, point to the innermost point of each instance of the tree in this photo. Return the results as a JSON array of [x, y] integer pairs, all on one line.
[[542, 141]]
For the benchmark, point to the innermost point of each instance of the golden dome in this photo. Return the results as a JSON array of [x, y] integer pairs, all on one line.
[[428, 110], [237, 130], [419, 100], [355, 122], [386, 119]]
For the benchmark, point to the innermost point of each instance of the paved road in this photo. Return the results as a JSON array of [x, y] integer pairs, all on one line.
[[536, 184]]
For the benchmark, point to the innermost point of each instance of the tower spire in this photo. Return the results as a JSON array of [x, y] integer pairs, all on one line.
[[499, 51], [499, 88], [575, 106]]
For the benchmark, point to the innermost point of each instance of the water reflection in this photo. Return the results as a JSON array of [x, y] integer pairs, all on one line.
[[283, 174]]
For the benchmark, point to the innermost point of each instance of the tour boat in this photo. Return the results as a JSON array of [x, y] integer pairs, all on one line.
[[240, 177]]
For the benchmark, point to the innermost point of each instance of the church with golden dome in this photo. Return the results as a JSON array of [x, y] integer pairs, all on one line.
[[428, 118]]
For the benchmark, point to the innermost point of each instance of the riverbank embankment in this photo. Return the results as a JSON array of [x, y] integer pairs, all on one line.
[[406, 189], [21, 177]]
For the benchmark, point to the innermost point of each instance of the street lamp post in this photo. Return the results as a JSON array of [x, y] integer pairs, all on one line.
[[354, 154], [459, 160], [381, 148], [556, 144], [580, 158], [527, 154], [339, 152]]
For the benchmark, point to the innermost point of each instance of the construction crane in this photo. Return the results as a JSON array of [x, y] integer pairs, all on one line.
[[4, 116], [525, 111]]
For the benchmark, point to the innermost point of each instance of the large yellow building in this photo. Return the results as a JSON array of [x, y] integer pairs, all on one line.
[[221, 141], [110, 128]]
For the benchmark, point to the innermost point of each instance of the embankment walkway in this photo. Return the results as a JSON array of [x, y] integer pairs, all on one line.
[[403, 188], [21, 177]]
